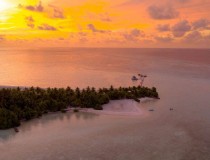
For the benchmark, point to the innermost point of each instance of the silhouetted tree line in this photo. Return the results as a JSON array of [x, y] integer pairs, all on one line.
[[18, 104]]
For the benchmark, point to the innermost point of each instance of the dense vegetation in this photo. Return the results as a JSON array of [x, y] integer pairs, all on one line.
[[18, 104]]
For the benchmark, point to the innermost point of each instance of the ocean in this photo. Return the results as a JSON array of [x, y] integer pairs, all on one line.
[[181, 76]]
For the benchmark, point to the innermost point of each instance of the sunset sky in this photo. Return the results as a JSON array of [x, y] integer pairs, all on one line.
[[105, 23]]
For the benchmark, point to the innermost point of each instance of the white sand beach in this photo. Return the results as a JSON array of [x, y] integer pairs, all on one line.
[[119, 107]]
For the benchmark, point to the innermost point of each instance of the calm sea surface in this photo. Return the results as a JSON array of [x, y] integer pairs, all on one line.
[[182, 77]]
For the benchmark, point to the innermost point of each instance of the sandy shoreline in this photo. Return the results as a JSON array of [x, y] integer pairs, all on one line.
[[119, 107], [126, 107]]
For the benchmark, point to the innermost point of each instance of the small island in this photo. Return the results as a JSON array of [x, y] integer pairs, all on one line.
[[19, 104]]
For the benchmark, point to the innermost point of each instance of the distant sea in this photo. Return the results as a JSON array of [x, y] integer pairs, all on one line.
[[181, 76], [61, 67]]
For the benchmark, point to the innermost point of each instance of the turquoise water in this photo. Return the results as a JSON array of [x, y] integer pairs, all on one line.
[[181, 76]]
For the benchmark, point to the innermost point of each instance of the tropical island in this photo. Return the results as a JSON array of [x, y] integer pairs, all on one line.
[[20, 104]]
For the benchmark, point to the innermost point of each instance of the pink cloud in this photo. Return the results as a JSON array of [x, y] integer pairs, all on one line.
[[181, 28], [46, 27], [161, 12]]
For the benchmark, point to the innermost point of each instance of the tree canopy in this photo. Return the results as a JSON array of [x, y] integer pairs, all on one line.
[[18, 104]]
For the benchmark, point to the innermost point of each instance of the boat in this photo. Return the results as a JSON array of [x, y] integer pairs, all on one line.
[[134, 78]]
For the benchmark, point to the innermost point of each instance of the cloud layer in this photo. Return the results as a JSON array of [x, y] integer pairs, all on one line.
[[128, 23], [162, 12], [37, 8]]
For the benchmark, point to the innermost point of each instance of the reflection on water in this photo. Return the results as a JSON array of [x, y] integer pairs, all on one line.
[[6, 134], [44, 121]]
